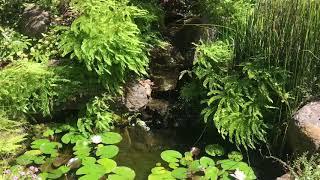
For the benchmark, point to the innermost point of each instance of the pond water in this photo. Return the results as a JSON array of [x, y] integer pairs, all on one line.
[[140, 150]]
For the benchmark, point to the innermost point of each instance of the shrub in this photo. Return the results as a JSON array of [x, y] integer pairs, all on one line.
[[305, 167], [106, 39], [238, 95], [40, 88], [13, 45]]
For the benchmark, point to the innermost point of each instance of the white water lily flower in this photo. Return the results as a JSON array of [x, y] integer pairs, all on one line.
[[239, 175], [96, 139]]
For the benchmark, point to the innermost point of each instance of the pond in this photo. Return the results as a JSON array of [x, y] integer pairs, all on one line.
[[140, 150]]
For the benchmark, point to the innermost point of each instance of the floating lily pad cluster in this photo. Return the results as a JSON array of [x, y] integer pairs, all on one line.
[[90, 158], [207, 168]]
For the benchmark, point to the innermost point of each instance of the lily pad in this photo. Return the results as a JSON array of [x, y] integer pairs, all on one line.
[[195, 166], [122, 173], [180, 173], [109, 151], [211, 173], [37, 143], [214, 150], [26, 159], [160, 173], [87, 161], [72, 138], [171, 156], [111, 138], [236, 156], [95, 170], [108, 164], [82, 149], [206, 162]]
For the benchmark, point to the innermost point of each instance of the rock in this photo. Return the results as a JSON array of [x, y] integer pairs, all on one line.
[[285, 177], [159, 106], [304, 130], [138, 95], [165, 67], [35, 21]]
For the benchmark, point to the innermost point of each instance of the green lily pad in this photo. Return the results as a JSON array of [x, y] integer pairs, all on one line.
[[26, 159], [82, 149], [180, 173], [206, 162], [87, 161], [72, 138], [37, 143], [159, 173], [171, 156], [195, 166], [214, 150], [50, 148], [122, 173], [236, 156], [57, 173], [108, 164], [111, 138], [173, 165], [109, 151], [211, 173], [92, 170]]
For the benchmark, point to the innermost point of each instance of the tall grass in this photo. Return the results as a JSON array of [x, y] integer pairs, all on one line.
[[285, 34]]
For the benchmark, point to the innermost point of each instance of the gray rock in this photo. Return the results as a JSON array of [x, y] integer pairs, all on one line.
[[35, 21], [304, 130], [285, 177], [138, 95]]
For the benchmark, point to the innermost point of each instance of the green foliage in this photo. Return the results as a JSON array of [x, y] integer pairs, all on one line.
[[98, 116], [13, 45], [185, 167], [305, 167], [40, 88], [227, 12], [14, 136], [93, 155], [106, 39], [46, 48], [237, 94]]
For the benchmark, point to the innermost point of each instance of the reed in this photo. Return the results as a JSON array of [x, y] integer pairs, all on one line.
[[284, 34]]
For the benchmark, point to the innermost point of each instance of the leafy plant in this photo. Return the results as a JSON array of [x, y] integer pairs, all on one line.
[[305, 167], [13, 45], [106, 39], [97, 116], [93, 155], [185, 167], [238, 94]]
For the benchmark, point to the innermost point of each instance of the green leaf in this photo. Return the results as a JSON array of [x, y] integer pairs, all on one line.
[[214, 150], [206, 162], [48, 133], [111, 138], [109, 151], [87, 161], [108, 164], [235, 155], [95, 170], [122, 173], [180, 173], [195, 166], [211, 173], [37, 143], [171, 156], [173, 165]]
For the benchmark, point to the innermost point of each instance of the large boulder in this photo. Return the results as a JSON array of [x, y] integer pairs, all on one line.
[[35, 21], [137, 95], [304, 130]]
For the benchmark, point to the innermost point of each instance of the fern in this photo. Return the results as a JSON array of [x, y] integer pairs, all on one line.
[[97, 116], [237, 99], [106, 39], [41, 88]]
